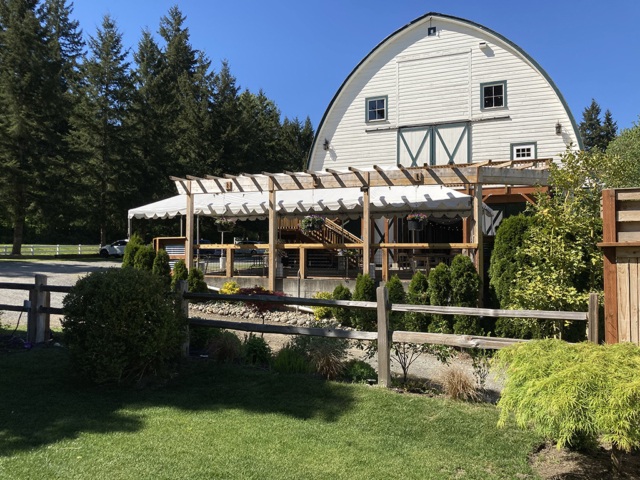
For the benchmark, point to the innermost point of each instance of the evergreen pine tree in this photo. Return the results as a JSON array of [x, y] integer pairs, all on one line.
[[591, 126], [609, 130], [99, 134]]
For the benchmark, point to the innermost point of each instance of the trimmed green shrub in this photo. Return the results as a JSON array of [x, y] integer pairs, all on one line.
[[417, 294], [365, 291], [161, 265], [440, 294], [145, 256], [344, 316], [180, 272], [256, 350], [199, 336], [505, 258], [130, 250], [291, 360], [195, 278], [573, 393], [120, 325], [230, 288], [359, 371], [396, 295], [465, 288], [225, 347], [322, 312]]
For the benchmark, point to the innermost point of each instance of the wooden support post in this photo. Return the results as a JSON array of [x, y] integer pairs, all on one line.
[[273, 234], [188, 247], [303, 262], [478, 232], [230, 259], [36, 322], [366, 231], [384, 345], [592, 318], [610, 268], [385, 264], [183, 287]]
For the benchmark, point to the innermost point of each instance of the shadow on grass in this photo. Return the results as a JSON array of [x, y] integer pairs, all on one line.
[[41, 403]]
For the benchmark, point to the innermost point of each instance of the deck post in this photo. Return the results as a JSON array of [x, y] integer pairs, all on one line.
[[384, 345], [273, 233], [230, 258], [478, 233], [303, 262], [385, 252], [592, 318], [366, 231], [610, 266], [188, 247], [183, 287]]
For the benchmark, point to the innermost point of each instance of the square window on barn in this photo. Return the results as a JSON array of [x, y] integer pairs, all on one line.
[[376, 109], [524, 151], [493, 95]]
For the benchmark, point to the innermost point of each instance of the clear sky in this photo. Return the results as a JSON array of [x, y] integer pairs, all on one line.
[[300, 51]]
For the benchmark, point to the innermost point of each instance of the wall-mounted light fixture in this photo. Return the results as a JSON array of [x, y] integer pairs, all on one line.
[[558, 129], [325, 145], [483, 45]]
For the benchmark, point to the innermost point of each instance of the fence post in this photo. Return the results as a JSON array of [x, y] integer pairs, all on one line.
[[384, 354], [58, 249], [592, 318], [80, 249], [32, 253], [183, 287], [36, 321]]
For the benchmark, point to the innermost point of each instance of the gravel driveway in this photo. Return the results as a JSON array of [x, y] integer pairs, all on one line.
[[58, 272]]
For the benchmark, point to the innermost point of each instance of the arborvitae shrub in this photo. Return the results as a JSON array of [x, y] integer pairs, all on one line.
[[344, 316], [145, 256], [199, 336], [440, 294], [322, 312], [465, 287], [120, 324], [161, 265], [130, 250], [365, 291], [180, 272], [505, 259], [573, 393], [195, 278], [396, 295], [417, 294]]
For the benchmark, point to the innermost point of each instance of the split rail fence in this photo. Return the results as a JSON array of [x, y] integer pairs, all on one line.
[[53, 250], [39, 310]]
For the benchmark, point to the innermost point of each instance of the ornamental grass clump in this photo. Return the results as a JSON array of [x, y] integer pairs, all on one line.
[[573, 393]]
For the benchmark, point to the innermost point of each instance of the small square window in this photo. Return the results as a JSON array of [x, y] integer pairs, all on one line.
[[376, 109], [494, 95], [523, 151]]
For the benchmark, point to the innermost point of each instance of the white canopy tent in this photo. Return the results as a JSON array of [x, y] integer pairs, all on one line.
[[434, 200]]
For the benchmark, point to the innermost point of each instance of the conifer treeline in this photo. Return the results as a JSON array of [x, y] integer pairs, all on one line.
[[88, 130]]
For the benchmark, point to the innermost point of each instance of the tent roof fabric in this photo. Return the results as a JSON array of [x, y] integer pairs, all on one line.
[[343, 203]]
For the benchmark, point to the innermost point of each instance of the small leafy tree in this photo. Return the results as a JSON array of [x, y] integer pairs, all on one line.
[[465, 288], [344, 316], [130, 250], [626, 146], [573, 393], [180, 272], [195, 278], [440, 294], [144, 259], [161, 265], [365, 291]]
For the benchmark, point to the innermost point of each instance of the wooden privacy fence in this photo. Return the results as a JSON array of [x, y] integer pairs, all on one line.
[[39, 310]]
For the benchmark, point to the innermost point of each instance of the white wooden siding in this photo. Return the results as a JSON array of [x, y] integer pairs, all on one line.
[[430, 85]]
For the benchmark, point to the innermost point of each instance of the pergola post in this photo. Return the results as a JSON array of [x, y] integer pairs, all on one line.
[[273, 233], [303, 262], [366, 231], [188, 248], [478, 215]]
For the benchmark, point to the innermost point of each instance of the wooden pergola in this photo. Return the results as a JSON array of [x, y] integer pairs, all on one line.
[[501, 174]]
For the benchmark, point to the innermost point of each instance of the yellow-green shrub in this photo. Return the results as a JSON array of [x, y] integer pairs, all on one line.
[[229, 288], [322, 312], [573, 393]]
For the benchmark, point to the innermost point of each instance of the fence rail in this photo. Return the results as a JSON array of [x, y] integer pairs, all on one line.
[[40, 310], [33, 250]]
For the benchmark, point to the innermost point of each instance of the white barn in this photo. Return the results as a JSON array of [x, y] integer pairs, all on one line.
[[443, 90]]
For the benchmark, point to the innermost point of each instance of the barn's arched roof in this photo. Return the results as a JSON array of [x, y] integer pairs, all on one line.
[[463, 21]]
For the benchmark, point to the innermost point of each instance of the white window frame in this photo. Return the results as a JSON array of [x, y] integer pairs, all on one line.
[[386, 108], [516, 146]]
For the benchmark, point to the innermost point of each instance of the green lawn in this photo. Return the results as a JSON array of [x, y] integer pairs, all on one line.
[[234, 422]]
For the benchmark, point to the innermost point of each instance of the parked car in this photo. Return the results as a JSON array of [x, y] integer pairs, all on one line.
[[116, 249]]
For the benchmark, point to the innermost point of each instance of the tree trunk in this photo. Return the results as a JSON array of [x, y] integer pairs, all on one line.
[[18, 229], [103, 235], [616, 461]]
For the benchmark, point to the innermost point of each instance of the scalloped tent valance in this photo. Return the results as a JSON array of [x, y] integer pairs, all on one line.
[[343, 203]]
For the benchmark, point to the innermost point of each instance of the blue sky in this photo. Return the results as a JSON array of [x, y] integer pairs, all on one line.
[[299, 52]]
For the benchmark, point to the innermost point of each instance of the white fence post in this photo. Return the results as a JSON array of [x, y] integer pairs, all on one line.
[[58, 249], [32, 251], [79, 249]]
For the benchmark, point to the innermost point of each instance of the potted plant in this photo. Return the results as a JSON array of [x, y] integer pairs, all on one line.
[[225, 224], [416, 220], [312, 223]]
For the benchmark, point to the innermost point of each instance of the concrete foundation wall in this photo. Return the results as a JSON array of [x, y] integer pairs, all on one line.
[[289, 286]]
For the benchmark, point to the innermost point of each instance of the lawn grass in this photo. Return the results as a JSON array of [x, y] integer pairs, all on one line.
[[225, 421]]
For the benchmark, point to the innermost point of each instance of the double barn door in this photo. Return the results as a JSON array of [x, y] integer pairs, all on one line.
[[436, 145]]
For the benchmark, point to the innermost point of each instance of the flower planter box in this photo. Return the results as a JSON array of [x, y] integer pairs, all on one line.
[[415, 224], [224, 228]]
